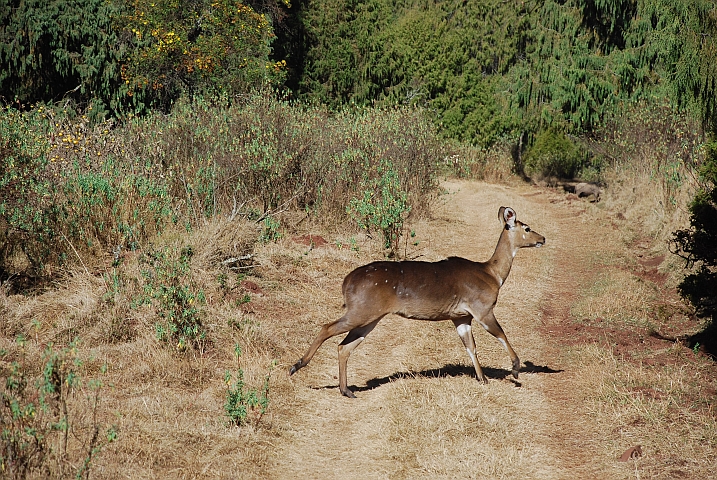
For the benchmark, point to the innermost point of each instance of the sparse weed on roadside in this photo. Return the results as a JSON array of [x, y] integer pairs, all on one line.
[[178, 301], [245, 404], [270, 231], [49, 425], [381, 206]]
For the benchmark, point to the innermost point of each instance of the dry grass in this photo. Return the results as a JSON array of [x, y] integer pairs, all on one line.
[[665, 408], [580, 401], [634, 389], [482, 432], [618, 297]]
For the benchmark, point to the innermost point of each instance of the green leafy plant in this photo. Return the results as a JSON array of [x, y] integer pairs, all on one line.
[[241, 401], [179, 303], [270, 231], [45, 429], [553, 154], [382, 206]]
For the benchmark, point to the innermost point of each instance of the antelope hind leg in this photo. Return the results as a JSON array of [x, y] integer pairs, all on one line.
[[463, 327], [352, 340], [327, 331]]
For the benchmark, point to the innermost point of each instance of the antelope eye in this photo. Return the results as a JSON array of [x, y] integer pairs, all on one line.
[[527, 229]]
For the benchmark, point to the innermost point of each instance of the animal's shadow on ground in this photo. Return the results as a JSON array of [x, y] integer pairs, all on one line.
[[452, 370]]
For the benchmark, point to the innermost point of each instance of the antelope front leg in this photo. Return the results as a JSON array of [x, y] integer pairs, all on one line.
[[463, 327], [493, 327]]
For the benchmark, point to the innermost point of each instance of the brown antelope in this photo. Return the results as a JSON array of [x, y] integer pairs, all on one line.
[[454, 289]]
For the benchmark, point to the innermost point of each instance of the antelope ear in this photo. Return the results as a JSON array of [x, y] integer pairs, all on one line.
[[508, 216]]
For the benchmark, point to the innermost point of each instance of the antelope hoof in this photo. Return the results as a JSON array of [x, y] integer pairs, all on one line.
[[347, 393], [516, 368], [295, 367]]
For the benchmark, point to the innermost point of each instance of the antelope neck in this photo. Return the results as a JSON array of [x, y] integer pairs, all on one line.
[[502, 260]]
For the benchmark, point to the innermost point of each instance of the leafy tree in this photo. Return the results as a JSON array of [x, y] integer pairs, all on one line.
[[685, 39], [486, 69], [698, 244], [53, 49], [442, 55], [191, 47]]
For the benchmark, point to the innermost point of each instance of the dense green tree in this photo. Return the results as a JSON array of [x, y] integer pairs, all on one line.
[[685, 39], [186, 47], [127, 55], [682, 36], [485, 68], [53, 49], [442, 55], [582, 58]]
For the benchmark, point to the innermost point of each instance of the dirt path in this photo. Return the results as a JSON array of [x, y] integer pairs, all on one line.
[[420, 412]]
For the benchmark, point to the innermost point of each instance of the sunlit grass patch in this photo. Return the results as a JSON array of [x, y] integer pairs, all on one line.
[[619, 298], [668, 409]]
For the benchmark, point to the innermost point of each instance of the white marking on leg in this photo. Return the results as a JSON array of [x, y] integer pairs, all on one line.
[[463, 329], [472, 355], [484, 325], [505, 345]]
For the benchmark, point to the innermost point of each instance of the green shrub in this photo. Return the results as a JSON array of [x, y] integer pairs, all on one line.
[[698, 244], [553, 154], [240, 400], [169, 285], [381, 206], [48, 422], [270, 231]]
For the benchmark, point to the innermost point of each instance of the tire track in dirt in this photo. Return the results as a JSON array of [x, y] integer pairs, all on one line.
[[420, 412], [568, 434]]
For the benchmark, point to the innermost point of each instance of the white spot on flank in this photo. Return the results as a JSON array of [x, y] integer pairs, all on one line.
[[386, 281], [463, 328]]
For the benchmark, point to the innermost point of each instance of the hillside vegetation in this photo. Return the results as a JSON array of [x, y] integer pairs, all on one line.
[[160, 160]]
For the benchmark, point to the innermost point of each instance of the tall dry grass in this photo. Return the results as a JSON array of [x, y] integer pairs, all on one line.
[[87, 192], [652, 154]]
